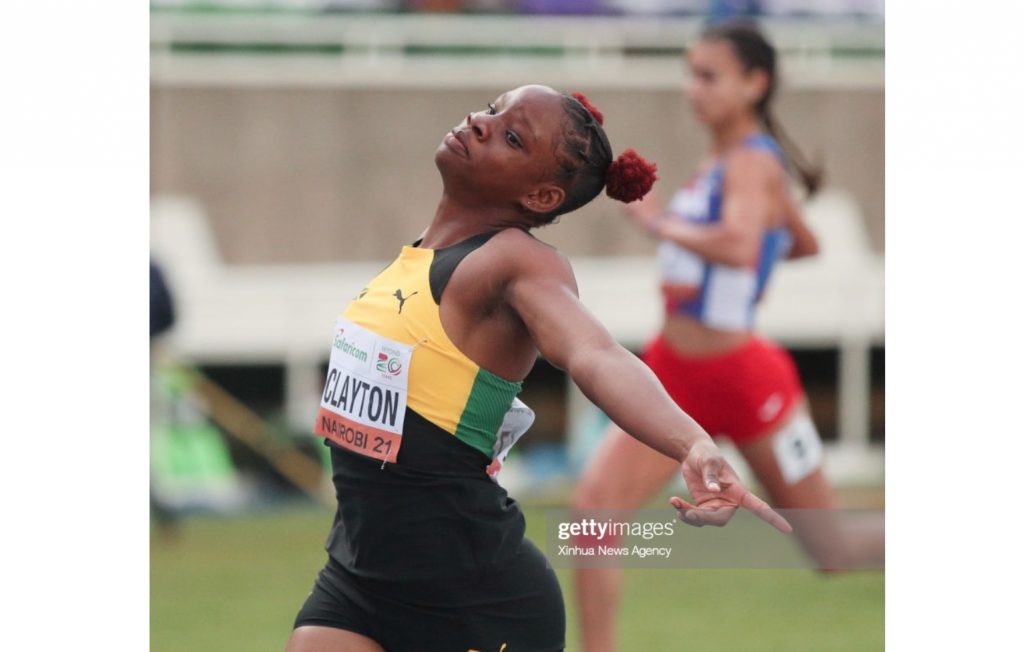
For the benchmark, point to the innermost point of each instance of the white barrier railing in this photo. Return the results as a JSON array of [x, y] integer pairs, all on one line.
[[387, 50], [281, 314]]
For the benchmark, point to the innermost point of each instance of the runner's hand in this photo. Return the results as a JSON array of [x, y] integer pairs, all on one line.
[[645, 213], [718, 492]]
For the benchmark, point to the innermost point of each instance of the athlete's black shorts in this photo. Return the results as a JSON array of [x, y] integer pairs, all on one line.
[[514, 608]]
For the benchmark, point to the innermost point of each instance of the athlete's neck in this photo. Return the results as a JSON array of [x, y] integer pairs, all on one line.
[[454, 222], [726, 136]]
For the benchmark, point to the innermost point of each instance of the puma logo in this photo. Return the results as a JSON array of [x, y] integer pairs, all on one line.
[[770, 409], [401, 299]]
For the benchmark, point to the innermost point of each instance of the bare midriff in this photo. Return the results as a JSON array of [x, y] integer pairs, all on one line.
[[690, 337]]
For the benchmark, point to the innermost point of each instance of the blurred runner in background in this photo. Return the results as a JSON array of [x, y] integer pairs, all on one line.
[[721, 236]]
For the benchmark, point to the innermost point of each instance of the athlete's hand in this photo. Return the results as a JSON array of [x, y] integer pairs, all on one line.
[[717, 492]]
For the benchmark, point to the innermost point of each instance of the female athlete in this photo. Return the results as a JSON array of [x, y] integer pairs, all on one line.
[[427, 552], [721, 235]]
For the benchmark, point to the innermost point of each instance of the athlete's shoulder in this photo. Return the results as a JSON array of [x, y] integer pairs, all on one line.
[[752, 164], [523, 252], [763, 140]]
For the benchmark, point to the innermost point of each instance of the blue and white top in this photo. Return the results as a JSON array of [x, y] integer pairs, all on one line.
[[720, 296]]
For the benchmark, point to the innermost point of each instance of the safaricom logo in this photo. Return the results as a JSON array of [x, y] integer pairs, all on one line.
[[345, 346]]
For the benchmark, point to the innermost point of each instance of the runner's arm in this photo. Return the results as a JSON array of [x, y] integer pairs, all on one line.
[[543, 293], [804, 241], [746, 201]]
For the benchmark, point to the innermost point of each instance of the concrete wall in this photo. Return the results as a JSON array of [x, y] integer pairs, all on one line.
[[335, 174]]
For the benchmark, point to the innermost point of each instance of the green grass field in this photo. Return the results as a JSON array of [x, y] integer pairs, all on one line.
[[228, 584]]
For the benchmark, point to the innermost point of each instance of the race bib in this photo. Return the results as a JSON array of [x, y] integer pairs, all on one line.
[[798, 449], [363, 404], [517, 421]]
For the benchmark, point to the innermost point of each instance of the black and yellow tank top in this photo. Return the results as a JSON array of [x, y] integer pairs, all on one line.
[[412, 423]]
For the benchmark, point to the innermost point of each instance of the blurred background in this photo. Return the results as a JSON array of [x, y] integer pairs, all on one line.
[[291, 156]]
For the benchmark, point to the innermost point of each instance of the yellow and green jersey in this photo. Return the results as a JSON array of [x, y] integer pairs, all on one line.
[[412, 424], [445, 387]]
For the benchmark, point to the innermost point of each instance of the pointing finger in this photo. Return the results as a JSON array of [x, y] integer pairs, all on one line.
[[765, 513]]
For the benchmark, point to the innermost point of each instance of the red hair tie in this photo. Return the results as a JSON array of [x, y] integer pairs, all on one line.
[[630, 177], [598, 116]]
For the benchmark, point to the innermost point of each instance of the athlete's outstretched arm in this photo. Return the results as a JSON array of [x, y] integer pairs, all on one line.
[[542, 291]]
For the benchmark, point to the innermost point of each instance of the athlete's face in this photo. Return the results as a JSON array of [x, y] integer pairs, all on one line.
[[504, 154], [720, 88]]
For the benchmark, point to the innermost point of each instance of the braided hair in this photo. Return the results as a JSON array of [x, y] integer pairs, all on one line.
[[585, 162]]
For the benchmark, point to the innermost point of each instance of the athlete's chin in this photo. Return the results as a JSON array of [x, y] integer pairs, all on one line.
[[451, 173], [702, 116], [445, 159], [443, 163]]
